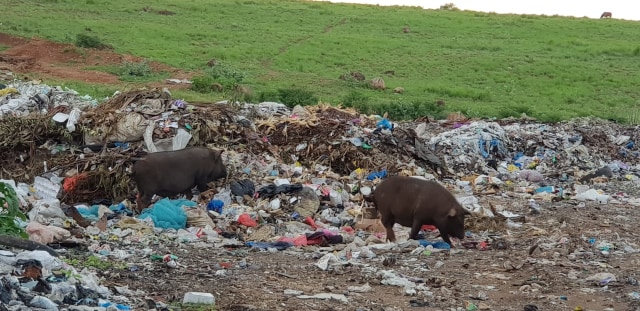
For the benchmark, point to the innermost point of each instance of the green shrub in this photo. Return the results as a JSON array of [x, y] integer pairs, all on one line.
[[228, 76], [139, 69], [202, 84], [295, 96], [355, 99], [87, 41], [432, 109], [268, 96]]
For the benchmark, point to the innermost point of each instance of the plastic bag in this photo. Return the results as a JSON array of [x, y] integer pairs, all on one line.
[[46, 234], [246, 220]]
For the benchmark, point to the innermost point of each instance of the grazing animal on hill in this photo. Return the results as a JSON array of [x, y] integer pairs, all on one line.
[[606, 14]]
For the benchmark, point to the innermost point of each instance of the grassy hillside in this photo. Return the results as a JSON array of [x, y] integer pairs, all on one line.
[[478, 63]]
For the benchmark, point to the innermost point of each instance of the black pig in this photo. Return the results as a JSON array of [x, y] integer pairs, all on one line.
[[413, 202], [174, 172]]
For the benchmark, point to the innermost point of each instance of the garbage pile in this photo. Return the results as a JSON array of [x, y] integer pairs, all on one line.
[[297, 177]]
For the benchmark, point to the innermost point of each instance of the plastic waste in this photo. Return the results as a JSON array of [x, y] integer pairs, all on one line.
[[246, 220], [168, 213], [272, 190], [380, 174], [438, 245], [43, 303], [384, 124], [279, 245], [533, 205], [46, 234], [215, 205], [224, 196], [45, 188], [242, 187]]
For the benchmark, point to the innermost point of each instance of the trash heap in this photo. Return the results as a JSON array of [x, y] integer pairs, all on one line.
[[297, 177]]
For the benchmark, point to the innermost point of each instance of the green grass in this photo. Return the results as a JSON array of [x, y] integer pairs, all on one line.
[[133, 72], [482, 64], [3, 47]]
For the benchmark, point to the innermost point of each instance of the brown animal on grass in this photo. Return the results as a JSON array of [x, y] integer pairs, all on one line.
[[606, 15], [414, 202]]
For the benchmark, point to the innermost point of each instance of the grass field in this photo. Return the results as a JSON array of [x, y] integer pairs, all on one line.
[[481, 64]]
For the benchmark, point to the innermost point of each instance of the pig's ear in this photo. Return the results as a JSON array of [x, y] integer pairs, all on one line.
[[452, 212], [220, 151]]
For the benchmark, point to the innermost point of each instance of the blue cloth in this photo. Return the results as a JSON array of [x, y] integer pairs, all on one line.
[[168, 214]]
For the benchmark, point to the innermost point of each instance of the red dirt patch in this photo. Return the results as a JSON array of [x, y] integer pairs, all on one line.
[[65, 61]]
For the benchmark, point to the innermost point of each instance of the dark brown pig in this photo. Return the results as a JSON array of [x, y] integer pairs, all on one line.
[[414, 202], [174, 172]]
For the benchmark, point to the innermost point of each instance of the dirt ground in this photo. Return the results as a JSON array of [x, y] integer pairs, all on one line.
[[551, 276], [545, 263], [42, 59]]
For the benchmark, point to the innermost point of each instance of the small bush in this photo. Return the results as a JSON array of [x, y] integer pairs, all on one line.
[[90, 42], [449, 6], [269, 96], [432, 109], [226, 75], [202, 84], [355, 99], [139, 69], [293, 97]]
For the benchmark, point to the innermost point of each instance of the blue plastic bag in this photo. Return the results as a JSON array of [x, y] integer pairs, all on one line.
[[216, 206], [439, 244], [374, 175]]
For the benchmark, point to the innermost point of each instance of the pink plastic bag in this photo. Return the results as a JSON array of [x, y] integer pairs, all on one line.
[[45, 234]]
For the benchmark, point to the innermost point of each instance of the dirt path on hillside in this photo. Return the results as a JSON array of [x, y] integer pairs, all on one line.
[[43, 59]]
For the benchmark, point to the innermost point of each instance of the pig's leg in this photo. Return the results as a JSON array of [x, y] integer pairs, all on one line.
[[445, 237], [188, 194], [202, 187], [388, 223], [143, 201], [415, 229]]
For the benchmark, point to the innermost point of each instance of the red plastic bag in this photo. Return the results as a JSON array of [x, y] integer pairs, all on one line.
[[246, 220], [428, 228]]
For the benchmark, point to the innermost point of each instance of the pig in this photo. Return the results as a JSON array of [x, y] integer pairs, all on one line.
[[174, 172], [413, 202]]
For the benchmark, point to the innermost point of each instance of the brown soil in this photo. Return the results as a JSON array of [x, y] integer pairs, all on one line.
[[42, 59], [504, 279]]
